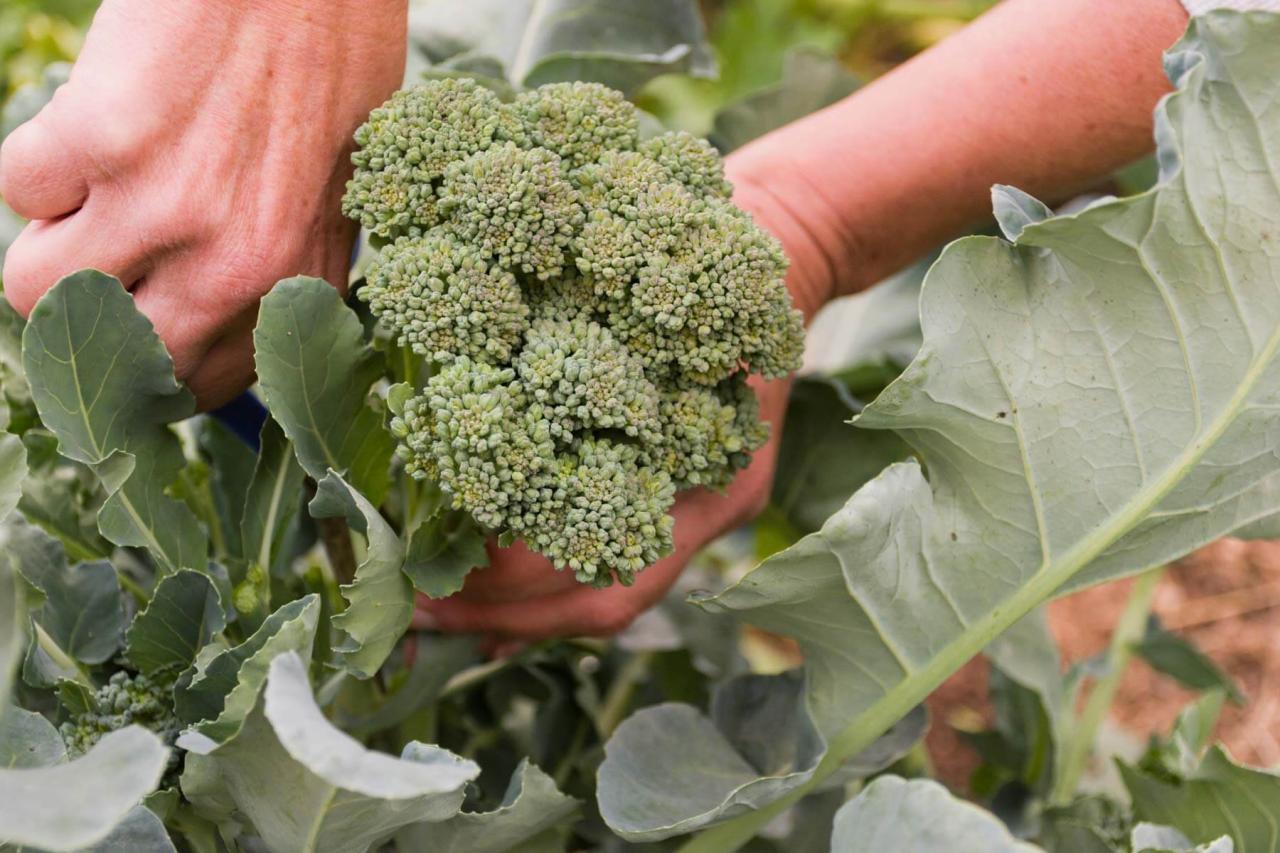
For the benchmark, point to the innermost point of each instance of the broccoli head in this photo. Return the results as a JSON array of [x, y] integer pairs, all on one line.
[[589, 301], [126, 699]]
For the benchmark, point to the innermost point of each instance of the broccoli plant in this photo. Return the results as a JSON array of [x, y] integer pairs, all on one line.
[[590, 302], [205, 640]]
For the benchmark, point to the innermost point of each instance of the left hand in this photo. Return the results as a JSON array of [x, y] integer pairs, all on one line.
[[519, 596]]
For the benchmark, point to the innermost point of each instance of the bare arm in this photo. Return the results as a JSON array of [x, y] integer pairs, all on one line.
[[1046, 95]]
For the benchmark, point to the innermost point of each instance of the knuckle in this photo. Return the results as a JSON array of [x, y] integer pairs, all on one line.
[[24, 279], [17, 153]]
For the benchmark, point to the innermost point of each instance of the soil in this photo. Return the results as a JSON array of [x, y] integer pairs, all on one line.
[[1224, 598]]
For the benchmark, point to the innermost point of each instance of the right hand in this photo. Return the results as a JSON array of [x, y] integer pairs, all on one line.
[[199, 153]]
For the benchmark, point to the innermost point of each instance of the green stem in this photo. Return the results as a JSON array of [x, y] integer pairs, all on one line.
[[565, 766], [63, 660], [1129, 630], [618, 699], [132, 587]]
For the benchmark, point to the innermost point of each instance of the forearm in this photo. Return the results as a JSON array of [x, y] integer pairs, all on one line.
[[1046, 95]]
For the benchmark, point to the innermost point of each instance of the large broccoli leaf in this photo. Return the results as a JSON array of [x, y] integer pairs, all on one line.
[[305, 785], [531, 809], [71, 806], [216, 695], [380, 600], [184, 613], [81, 618], [103, 383], [316, 371], [1092, 399], [620, 43], [921, 816], [1218, 798]]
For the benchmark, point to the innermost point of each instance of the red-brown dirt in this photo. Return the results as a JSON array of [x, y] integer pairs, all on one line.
[[1224, 598]]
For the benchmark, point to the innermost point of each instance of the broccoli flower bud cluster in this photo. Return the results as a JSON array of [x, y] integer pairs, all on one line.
[[126, 699], [591, 304]]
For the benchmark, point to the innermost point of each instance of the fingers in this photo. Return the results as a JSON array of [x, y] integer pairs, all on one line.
[[47, 250], [41, 177], [578, 611], [514, 574]]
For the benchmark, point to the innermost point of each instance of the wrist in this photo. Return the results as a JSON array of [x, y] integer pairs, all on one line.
[[814, 268]]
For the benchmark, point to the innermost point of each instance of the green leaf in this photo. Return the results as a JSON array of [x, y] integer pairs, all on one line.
[[438, 658], [1033, 700], [616, 42], [214, 699], [140, 832], [921, 816], [27, 739], [1193, 730], [272, 499], [185, 611], [1153, 838], [316, 371], [1219, 798], [1015, 210], [305, 785], [13, 622], [1177, 658], [103, 383], [442, 552], [531, 806], [83, 609], [231, 465], [822, 459], [757, 745], [13, 470], [380, 601], [811, 80], [1091, 401], [74, 805], [62, 497]]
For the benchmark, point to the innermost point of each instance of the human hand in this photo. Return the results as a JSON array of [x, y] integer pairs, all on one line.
[[519, 596], [199, 153]]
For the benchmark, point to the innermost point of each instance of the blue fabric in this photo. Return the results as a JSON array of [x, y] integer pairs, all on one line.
[[244, 416]]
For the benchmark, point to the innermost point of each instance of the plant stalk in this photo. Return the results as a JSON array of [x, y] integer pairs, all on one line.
[[618, 700], [1129, 630]]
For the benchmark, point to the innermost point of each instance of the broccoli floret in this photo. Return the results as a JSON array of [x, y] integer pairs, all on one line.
[[709, 433], [577, 121], [690, 160], [126, 699], [514, 206], [444, 301], [608, 513], [586, 380], [591, 306], [404, 149]]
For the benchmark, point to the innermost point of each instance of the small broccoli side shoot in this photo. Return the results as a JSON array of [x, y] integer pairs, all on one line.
[[591, 304]]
